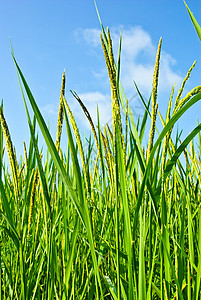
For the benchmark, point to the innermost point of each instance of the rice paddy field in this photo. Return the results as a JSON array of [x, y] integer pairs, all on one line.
[[125, 225]]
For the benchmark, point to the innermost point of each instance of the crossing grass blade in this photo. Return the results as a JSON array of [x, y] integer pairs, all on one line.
[[6, 205], [168, 126], [49, 142], [127, 221], [83, 212]]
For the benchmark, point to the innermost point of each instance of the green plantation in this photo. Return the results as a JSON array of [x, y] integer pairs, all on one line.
[[125, 225]]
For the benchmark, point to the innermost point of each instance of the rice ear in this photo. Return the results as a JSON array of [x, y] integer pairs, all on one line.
[[33, 192], [193, 92], [60, 114], [182, 87], [11, 153], [109, 59], [154, 97], [25, 155]]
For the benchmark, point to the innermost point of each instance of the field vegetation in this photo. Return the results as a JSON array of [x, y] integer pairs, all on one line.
[[126, 225]]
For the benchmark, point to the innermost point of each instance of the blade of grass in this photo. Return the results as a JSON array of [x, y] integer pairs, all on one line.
[[50, 144], [128, 230], [194, 21], [168, 126]]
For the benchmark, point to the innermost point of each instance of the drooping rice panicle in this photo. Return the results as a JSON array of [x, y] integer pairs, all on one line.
[[11, 152], [60, 114], [154, 97], [183, 101], [86, 112]]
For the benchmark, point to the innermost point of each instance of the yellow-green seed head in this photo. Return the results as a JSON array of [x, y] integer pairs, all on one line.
[[60, 114], [11, 153]]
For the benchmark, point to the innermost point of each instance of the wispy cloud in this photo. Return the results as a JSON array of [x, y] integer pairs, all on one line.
[[49, 109], [90, 35], [137, 64], [137, 58], [91, 101]]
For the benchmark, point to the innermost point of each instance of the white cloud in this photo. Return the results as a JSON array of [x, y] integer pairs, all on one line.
[[90, 35], [137, 58], [135, 40], [49, 109], [167, 74], [137, 64], [91, 100]]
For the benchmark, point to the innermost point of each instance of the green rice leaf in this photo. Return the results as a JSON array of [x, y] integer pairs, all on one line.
[[11, 233], [168, 126], [50, 144], [6, 206], [74, 157], [111, 287], [194, 21], [180, 149]]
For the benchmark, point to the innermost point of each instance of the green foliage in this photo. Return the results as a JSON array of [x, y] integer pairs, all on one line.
[[125, 226], [194, 21]]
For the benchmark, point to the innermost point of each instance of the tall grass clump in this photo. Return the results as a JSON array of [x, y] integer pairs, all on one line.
[[126, 225]]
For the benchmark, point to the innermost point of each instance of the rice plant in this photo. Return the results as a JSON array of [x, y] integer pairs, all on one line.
[[126, 225]]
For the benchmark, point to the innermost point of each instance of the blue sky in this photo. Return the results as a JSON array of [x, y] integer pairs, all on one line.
[[50, 36]]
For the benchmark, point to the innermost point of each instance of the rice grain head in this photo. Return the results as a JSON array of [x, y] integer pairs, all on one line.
[[60, 114], [154, 97], [11, 153], [32, 198], [183, 101], [182, 86]]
